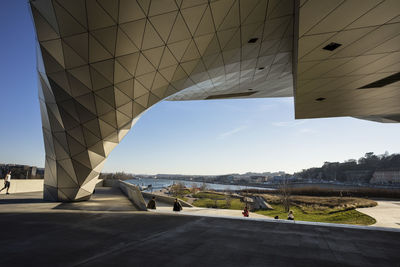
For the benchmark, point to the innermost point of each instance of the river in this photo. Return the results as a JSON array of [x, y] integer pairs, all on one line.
[[157, 184]]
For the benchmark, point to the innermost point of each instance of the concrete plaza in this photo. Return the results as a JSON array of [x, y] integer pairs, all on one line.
[[107, 231]]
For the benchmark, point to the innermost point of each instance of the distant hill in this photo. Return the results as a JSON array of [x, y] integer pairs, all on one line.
[[361, 170]]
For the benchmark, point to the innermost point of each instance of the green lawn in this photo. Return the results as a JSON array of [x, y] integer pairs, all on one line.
[[332, 216], [182, 194], [182, 198], [213, 200], [312, 213], [236, 204], [209, 195]]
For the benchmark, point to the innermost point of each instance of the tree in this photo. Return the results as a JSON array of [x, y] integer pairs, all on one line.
[[228, 200], [284, 191], [215, 203], [193, 189], [203, 187], [178, 189], [228, 197]]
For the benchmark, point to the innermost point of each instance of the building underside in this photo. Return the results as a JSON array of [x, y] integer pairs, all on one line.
[[102, 63]]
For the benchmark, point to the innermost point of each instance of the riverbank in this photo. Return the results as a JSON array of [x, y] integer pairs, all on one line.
[[157, 184]]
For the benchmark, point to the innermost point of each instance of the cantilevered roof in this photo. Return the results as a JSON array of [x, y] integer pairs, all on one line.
[[335, 83]]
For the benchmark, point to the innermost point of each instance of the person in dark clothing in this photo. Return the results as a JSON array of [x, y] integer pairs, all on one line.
[[152, 203], [177, 205]]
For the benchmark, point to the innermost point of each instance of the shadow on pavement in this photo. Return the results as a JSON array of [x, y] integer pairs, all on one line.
[[22, 201], [104, 199], [145, 239], [92, 206]]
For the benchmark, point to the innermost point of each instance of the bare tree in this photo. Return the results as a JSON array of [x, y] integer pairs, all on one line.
[[284, 191], [215, 203], [177, 189], [228, 197], [193, 189], [203, 187], [228, 200]]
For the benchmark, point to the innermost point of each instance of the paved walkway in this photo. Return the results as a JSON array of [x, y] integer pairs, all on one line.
[[166, 208], [209, 212], [107, 231], [104, 200], [386, 213]]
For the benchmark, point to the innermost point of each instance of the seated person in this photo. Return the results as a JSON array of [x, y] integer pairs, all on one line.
[[177, 205], [152, 203], [290, 216], [245, 212]]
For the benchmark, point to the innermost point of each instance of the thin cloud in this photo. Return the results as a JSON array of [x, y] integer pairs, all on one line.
[[288, 123], [265, 107], [306, 130], [231, 132]]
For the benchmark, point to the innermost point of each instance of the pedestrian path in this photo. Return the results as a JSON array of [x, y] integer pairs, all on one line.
[[105, 199], [386, 213], [163, 208]]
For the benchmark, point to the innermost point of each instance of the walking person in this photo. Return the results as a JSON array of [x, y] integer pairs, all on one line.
[[177, 205], [152, 203], [245, 212], [290, 216], [7, 181]]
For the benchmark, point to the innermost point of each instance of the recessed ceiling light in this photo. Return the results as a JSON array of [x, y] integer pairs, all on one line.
[[320, 99], [332, 46], [231, 95], [253, 40]]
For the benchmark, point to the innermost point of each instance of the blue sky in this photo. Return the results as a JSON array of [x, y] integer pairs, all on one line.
[[190, 137]]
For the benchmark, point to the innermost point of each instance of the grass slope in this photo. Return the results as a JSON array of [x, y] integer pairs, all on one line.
[[329, 216], [235, 204], [218, 201]]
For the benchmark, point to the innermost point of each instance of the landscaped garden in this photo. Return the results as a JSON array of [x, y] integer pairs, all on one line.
[[217, 200], [321, 209], [305, 208]]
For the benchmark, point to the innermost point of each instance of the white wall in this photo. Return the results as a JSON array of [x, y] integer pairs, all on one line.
[[23, 186], [134, 194]]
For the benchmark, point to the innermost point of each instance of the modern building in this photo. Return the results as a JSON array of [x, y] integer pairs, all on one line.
[[102, 63], [386, 177]]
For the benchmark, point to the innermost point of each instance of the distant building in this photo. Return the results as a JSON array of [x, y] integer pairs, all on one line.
[[225, 178], [257, 178], [358, 176], [386, 177], [22, 171], [276, 179]]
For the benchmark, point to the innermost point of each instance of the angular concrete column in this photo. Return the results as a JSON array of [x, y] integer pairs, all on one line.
[[86, 91]]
